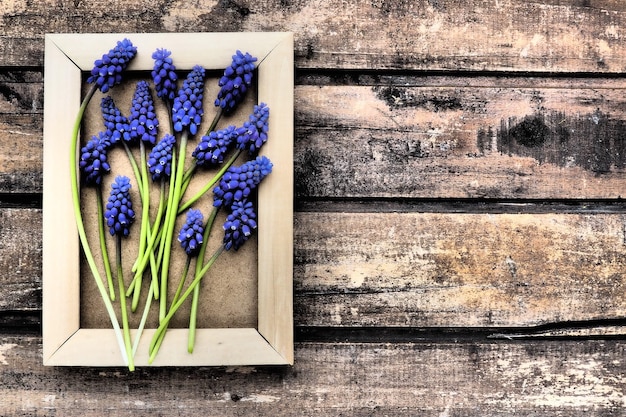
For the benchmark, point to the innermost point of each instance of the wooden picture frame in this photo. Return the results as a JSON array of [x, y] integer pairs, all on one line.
[[67, 58]]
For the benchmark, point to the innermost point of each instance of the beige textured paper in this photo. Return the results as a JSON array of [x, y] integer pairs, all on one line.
[[229, 291]]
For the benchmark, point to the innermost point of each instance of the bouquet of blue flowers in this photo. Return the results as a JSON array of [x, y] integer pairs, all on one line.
[[163, 164]]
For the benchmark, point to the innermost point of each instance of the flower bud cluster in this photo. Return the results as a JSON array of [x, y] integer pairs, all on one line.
[[190, 236], [213, 147], [239, 181], [116, 124], [255, 129], [107, 71], [164, 74], [160, 158], [143, 121], [239, 224], [93, 159], [187, 110], [235, 82], [119, 214]]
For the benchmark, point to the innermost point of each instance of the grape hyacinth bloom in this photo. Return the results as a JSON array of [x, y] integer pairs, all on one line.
[[116, 124], [160, 158], [239, 224], [187, 110], [164, 74], [143, 121], [119, 214], [107, 71], [239, 181], [190, 236], [235, 82], [93, 159], [212, 148], [255, 129]]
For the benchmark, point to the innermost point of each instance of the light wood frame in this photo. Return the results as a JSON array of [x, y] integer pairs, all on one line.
[[67, 58]]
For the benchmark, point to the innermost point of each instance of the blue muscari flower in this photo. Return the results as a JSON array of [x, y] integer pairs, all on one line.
[[212, 148], [107, 71], [255, 129], [164, 74], [235, 82], [190, 236], [143, 120], [93, 159], [187, 109], [160, 158], [238, 181], [116, 124], [239, 224], [119, 214]]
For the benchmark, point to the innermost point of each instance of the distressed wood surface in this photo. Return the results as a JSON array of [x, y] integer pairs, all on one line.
[[426, 137], [569, 378], [472, 138], [414, 269], [544, 36], [451, 269], [431, 276]]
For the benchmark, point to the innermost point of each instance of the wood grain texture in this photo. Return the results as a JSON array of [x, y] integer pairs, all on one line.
[[544, 36], [414, 269], [451, 269], [20, 260], [572, 378], [416, 137], [405, 302], [472, 138]]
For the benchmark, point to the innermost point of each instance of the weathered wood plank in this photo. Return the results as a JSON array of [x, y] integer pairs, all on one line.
[[457, 270], [414, 269], [21, 153], [496, 138], [569, 378], [426, 137], [20, 259], [546, 35]]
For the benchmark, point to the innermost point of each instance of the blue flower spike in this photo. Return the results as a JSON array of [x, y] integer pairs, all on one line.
[[187, 110], [119, 214], [239, 181], [116, 124], [164, 74], [235, 82], [143, 121], [160, 158], [93, 159], [212, 148], [239, 224], [107, 71], [190, 236], [255, 129]]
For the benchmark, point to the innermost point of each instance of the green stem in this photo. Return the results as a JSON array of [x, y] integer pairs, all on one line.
[[157, 338], [103, 245], [191, 338], [176, 296], [216, 119], [155, 235], [181, 284], [211, 183], [189, 173], [121, 285], [192, 169], [144, 318], [171, 218], [80, 224], [133, 164], [145, 221]]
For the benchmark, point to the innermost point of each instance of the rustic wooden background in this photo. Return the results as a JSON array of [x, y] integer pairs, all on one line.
[[459, 228]]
